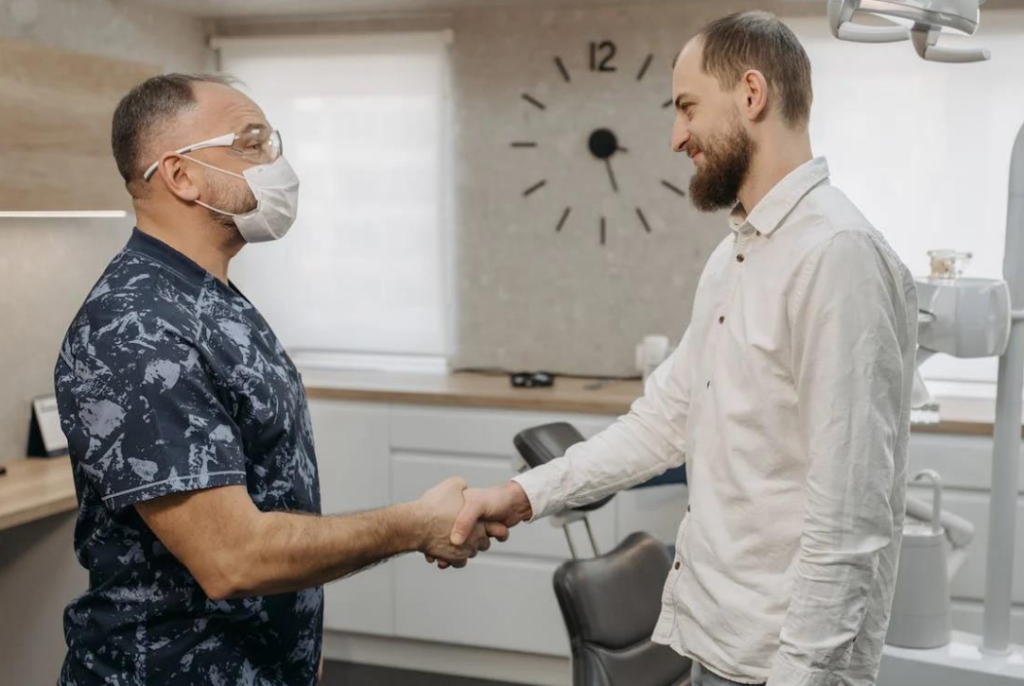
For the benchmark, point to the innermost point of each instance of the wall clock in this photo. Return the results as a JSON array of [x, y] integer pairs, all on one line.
[[601, 145]]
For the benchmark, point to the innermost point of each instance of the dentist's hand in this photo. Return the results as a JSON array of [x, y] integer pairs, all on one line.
[[437, 510]]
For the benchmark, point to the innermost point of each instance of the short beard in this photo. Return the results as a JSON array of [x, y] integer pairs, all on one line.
[[228, 195], [717, 185]]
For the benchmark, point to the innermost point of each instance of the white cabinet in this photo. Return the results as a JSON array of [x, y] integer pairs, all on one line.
[[375, 454], [353, 457], [965, 462], [454, 430], [501, 602]]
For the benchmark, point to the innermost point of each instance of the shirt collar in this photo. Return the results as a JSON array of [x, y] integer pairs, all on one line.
[[774, 207], [166, 255]]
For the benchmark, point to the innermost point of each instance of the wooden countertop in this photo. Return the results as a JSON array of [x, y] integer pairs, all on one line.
[[482, 391], [472, 390], [34, 489]]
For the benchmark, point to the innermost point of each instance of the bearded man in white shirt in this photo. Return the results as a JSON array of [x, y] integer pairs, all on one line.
[[788, 397]]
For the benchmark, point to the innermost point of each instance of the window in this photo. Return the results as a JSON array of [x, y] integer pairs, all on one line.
[[923, 149], [363, 276]]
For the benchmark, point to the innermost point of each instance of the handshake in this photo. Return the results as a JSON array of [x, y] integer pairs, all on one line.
[[455, 522]]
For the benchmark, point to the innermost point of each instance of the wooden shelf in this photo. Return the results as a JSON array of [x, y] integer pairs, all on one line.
[[34, 489]]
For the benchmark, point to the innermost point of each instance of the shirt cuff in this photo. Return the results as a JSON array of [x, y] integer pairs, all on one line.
[[541, 487], [785, 672]]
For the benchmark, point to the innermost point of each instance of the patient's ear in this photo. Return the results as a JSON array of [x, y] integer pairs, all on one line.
[[753, 95]]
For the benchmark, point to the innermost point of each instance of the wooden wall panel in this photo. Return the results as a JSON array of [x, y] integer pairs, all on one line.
[[55, 112]]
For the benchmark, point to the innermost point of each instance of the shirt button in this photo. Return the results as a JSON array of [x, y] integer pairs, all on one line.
[[678, 565], [758, 233], [721, 320], [740, 258]]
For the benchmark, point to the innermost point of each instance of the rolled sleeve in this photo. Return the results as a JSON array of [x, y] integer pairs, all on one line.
[[640, 445], [845, 315], [144, 416]]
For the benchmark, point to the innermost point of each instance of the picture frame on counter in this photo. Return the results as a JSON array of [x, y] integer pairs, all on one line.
[[45, 437]]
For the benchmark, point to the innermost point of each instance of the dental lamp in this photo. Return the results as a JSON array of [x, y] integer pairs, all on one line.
[[927, 19]]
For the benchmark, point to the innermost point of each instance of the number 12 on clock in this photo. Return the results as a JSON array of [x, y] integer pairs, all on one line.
[[601, 56]]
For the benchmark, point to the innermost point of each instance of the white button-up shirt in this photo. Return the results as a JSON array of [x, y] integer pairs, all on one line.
[[789, 400]]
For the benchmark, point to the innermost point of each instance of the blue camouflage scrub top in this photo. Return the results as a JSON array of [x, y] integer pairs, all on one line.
[[169, 380]]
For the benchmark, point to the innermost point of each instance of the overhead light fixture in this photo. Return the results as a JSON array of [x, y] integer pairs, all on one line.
[[928, 19]]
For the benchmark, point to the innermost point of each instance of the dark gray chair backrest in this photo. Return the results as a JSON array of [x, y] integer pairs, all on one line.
[[611, 605]]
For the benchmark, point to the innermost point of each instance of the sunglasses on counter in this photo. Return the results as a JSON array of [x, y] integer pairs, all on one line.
[[532, 379]]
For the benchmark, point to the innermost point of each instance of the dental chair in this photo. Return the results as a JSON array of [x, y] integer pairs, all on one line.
[[611, 602]]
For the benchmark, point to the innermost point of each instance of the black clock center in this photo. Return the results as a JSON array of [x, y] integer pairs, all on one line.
[[603, 144]]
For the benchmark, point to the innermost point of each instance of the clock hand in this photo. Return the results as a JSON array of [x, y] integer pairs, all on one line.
[[611, 174]]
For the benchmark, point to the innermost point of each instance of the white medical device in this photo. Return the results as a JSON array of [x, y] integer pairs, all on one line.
[[919, 21]]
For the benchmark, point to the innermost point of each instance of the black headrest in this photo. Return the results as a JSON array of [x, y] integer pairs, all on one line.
[[541, 444]]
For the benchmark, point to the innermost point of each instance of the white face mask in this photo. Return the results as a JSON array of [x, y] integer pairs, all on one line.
[[276, 189]]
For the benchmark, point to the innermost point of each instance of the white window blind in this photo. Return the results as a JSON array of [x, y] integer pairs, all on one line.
[[923, 149], [363, 274]]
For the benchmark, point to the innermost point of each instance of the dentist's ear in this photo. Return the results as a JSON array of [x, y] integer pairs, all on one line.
[[177, 176]]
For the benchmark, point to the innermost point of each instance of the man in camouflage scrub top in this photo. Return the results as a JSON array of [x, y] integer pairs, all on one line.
[[190, 435]]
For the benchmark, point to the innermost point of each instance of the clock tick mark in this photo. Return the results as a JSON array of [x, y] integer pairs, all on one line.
[[643, 69], [561, 222], [524, 144], [535, 187], [643, 219], [534, 101], [667, 103], [561, 68], [604, 229], [673, 188]]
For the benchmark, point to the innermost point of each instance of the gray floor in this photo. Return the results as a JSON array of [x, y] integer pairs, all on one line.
[[345, 674]]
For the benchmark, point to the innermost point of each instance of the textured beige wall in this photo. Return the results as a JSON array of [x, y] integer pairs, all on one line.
[[533, 299], [526, 297], [46, 269]]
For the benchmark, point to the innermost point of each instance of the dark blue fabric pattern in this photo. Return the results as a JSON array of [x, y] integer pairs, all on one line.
[[169, 381]]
